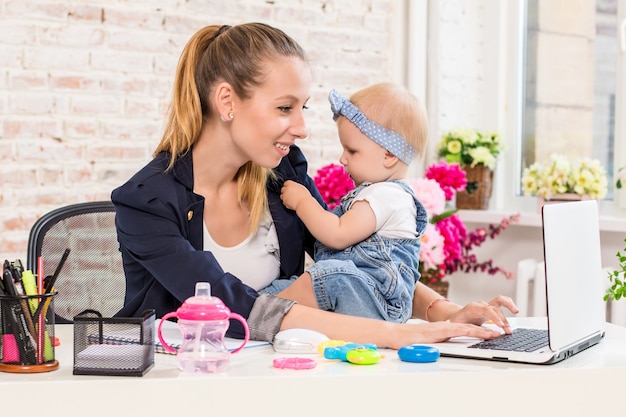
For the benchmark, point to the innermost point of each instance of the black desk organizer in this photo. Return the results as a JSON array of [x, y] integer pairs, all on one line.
[[116, 346]]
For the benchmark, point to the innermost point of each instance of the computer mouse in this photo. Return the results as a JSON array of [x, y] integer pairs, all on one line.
[[298, 341]]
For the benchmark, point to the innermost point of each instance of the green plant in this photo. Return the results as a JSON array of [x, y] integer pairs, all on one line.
[[617, 278]]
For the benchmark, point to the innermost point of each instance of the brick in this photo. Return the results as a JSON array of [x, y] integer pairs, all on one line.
[[563, 16], [31, 80], [141, 40], [72, 59], [30, 127], [118, 151], [183, 25], [77, 81], [47, 150], [564, 75], [96, 104], [22, 175], [49, 12], [31, 103], [86, 14], [139, 19], [15, 33], [127, 84], [121, 61], [76, 128], [11, 56], [84, 36]]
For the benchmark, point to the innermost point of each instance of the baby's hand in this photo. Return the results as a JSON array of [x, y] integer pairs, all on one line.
[[292, 194]]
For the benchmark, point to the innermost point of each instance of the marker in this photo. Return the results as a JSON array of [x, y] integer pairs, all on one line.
[[30, 288]]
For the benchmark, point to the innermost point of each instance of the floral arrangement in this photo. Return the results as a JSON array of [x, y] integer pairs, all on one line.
[[470, 147], [586, 177], [446, 245], [333, 182], [617, 289]]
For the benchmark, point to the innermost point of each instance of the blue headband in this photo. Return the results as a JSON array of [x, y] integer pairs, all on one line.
[[386, 138]]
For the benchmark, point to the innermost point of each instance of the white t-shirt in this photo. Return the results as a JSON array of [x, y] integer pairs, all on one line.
[[256, 260], [393, 207]]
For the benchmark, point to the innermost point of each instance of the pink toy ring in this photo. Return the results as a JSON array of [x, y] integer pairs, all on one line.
[[294, 363]]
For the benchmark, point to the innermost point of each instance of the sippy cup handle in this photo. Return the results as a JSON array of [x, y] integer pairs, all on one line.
[[245, 328], [165, 345]]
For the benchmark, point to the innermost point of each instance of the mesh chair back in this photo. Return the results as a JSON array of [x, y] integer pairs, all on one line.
[[92, 276]]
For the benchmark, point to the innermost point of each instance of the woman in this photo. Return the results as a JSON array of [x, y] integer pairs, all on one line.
[[207, 207]]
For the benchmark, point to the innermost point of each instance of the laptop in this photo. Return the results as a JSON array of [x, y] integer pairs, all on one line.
[[574, 293]]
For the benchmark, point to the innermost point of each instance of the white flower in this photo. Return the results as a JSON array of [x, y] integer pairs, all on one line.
[[482, 155], [586, 177]]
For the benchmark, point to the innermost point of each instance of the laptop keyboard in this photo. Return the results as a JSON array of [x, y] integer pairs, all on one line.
[[521, 340]]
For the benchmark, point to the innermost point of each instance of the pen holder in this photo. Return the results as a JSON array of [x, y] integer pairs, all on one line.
[[27, 342], [117, 346]]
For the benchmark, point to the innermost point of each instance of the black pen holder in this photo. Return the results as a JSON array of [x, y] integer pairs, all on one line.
[[117, 346], [27, 342]]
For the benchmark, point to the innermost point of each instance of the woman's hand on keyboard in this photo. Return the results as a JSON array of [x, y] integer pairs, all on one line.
[[481, 312]]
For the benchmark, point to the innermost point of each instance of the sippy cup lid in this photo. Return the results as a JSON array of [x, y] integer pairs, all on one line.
[[203, 306]]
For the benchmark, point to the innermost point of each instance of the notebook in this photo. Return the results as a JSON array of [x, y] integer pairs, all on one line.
[[574, 292], [170, 333]]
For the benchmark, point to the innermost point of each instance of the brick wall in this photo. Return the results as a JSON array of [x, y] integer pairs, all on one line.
[[84, 86]]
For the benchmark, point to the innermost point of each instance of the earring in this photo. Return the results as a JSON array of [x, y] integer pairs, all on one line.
[[231, 115], [222, 118]]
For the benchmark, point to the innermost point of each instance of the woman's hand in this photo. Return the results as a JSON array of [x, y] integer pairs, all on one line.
[[438, 331], [481, 312]]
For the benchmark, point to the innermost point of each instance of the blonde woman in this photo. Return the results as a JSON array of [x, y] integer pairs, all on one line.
[[207, 207]]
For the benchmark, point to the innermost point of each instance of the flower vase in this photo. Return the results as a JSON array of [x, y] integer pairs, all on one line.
[[559, 198], [478, 190]]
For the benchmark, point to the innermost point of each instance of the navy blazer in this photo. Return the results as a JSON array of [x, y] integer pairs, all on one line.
[[159, 222]]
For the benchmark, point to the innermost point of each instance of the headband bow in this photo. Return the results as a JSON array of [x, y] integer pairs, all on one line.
[[386, 138]]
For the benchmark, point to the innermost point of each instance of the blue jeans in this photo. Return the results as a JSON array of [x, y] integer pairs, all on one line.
[[374, 278], [361, 281]]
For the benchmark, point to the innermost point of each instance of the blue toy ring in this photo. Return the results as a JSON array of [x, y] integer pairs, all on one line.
[[418, 353]]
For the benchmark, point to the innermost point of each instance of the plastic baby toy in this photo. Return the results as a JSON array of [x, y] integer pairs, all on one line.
[[358, 354]]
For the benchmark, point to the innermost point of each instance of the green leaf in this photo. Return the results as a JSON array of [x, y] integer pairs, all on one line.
[[443, 215]]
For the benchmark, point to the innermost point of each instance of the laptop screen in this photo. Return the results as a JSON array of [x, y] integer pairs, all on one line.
[[573, 266]]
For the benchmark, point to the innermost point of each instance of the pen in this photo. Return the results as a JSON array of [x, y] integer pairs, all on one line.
[[49, 283], [41, 320]]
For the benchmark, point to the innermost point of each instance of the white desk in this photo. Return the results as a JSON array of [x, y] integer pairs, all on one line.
[[587, 384]]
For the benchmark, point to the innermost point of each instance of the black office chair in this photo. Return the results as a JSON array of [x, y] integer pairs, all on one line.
[[92, 276]]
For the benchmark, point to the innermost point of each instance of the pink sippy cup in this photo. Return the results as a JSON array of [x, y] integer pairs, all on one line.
[[203, 321]]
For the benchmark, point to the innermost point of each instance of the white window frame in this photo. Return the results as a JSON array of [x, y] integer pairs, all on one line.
[[515, 24]]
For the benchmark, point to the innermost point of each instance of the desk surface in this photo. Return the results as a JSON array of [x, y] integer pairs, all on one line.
[[585, 384]]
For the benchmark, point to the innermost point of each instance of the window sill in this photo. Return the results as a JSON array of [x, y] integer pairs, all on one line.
[[532, 219]]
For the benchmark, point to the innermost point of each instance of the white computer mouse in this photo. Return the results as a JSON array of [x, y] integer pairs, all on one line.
[[298, 341]]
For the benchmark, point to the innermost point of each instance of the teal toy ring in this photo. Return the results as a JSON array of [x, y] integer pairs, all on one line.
[[418, 353]]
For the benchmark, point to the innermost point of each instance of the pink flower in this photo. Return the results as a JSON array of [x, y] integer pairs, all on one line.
[[430, 194], [432, 248], [333, 182], [450, 177]]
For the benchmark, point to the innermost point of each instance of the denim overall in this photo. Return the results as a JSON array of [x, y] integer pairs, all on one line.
[[373, 278]]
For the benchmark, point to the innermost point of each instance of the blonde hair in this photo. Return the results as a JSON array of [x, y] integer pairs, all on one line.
[[395, 108], [237, 56]]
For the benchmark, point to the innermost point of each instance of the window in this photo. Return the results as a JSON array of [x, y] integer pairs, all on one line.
[[573, 83]]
